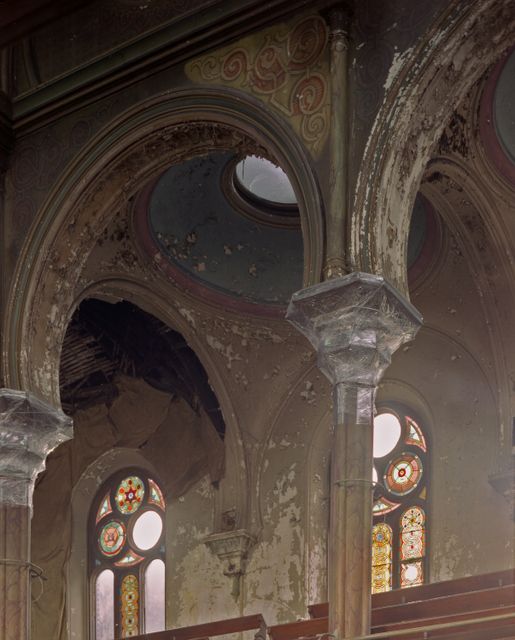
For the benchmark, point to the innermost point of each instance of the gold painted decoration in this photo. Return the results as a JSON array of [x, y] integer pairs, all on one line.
[[381, 558], [286, 67], [130, 606]]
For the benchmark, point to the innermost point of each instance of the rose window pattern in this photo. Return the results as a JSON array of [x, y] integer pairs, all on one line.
[[399, 533], [127, 557]]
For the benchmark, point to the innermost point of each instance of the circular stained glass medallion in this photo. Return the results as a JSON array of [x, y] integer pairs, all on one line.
[[403, 474], [111, 538], [412, 519], [129, 494]]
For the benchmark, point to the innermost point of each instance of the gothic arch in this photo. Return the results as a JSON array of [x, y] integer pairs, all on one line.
[[430, 82], [102, 179]]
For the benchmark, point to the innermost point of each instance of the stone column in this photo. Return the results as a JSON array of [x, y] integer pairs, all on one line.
[[355, 323], [29, 431]]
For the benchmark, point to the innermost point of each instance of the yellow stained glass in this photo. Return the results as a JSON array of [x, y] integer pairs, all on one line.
[[130, 606], [381, 558]]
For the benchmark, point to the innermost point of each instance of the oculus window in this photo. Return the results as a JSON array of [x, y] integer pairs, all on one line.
[[399, 533], [127, 557]]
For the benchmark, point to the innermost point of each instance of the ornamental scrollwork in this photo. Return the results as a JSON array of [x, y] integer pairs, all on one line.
[[286, 67]]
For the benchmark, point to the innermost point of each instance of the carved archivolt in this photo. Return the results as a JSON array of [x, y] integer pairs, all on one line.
[[427, 84]]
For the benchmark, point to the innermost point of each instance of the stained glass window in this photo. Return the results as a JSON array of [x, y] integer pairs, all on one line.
[[381, 558], [126, 559], [412, 546], [399, 535], [129, 606], [104, 508]]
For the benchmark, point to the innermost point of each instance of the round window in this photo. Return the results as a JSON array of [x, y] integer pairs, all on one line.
[[265, 181], [147, 530]]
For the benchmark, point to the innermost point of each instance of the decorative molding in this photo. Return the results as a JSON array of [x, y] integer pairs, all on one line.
[[286, 67], [175, 41]]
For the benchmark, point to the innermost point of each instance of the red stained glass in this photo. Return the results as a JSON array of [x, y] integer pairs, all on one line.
[[412, 574], [412, 534], [111, 538], [403, 474], [104, 509], [130, 494], [156, 495], [383, 506], [129, 560], [415, 435]]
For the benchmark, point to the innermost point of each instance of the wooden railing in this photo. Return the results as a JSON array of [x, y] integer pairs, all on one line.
[[212, 629], [480, 607], [476, 608]]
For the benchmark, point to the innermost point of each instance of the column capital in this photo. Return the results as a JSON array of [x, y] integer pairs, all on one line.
[[355, 323], [29, 430]]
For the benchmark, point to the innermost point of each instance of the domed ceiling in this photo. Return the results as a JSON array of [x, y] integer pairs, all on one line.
[[215, 226]]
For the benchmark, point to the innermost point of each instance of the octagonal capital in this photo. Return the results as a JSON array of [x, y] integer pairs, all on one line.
[[29, 430], [355, 323]]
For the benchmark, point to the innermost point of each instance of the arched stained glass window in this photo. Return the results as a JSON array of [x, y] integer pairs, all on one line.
[[400, 507], [412, 546], [126, 557]]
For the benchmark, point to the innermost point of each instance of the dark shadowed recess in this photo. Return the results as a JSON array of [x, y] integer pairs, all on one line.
[[104, 340]]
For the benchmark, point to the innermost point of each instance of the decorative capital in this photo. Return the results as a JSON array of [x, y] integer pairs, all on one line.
[[232, 548], [29, 430], [355, 323]]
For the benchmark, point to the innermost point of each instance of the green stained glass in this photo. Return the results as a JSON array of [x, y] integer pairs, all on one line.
[[156, 495], [129, 601], [383, 506], [129, 560], [130, 494], [104, 508], [111, 538], [415, 435]]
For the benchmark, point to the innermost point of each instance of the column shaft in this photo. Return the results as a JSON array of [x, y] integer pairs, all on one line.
[[355, 323], [337, 210], [351, 511], [14, 571]]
